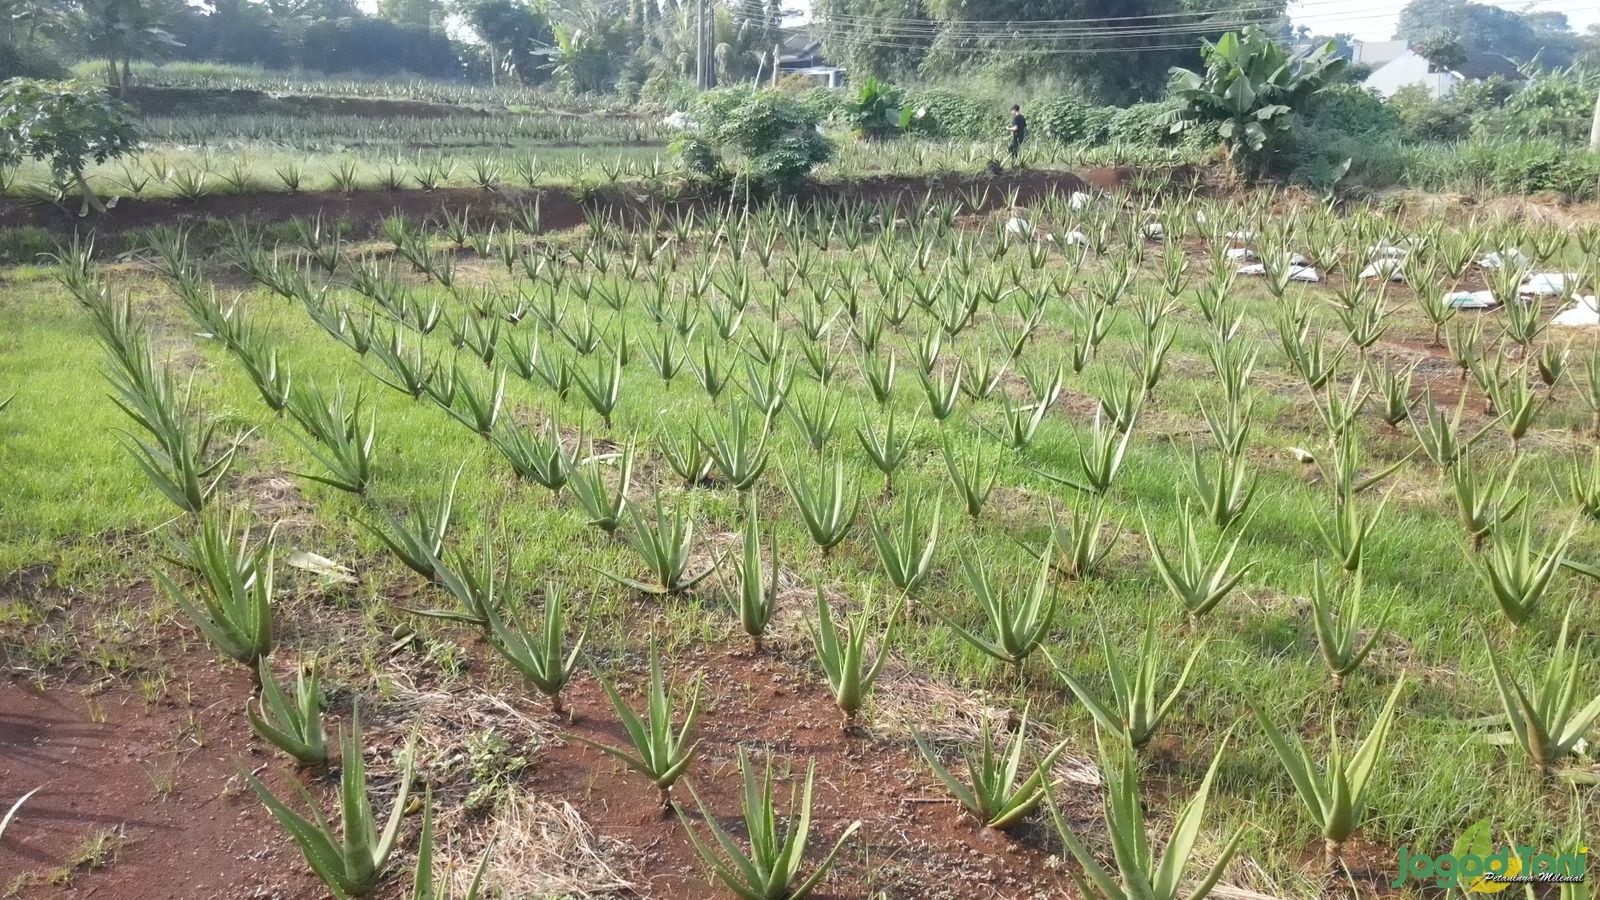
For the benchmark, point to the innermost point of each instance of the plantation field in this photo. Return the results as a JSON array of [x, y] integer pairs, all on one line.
[[732, 442]]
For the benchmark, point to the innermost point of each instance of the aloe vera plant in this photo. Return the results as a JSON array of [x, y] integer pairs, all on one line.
[[974, 479], [480, 409], [888, 450], [1583, 485], [771, 870], [738, 450], [823, 504], [472, 581], [545, 659], [815, 422], [1077, 545], [1138, 874], [419, 545], [1099, 462], [1133, 712], [602, 506], [541, 458], [756, 599], [423, 885], [353, 863], [1518, 576], [942, 392], [183, 461], [1544, 721], [294, 727], [906, 550], [662, 542], [1018, 624], [1198, 579], [1225, 494], [1484, 499], [604, 390], [657, 751], [993, 795], [232, 601], [1336, 607], [1335, 797], [841, 650]]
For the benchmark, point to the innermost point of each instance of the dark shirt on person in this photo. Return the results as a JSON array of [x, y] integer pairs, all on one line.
[[1019, 125]]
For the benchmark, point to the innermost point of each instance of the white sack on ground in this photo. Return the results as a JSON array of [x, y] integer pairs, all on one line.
[[1496, 260], [1583, 314], [1472, 300], [1548, 284]]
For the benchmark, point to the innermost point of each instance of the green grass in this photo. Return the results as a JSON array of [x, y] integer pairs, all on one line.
[[75, 502]]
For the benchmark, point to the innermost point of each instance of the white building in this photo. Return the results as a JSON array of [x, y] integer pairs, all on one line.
[[1395, 65]]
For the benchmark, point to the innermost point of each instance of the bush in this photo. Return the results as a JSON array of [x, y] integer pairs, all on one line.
[[65, 125], [1139, 125], [940, 112], [1067, 119], [749, 136], [1352, 109]]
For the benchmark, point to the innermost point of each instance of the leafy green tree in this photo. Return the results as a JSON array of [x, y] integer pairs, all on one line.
[[513, 32], [1249, 88], [120, 31], [415, 13], [1443, 50], [1490, 29], [65, 125], [875, 111]]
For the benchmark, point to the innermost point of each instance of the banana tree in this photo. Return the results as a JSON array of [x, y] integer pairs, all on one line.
[[1249, 88]]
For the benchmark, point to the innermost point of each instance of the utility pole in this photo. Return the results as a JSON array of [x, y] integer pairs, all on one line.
[[1594, 128], [700, 45]]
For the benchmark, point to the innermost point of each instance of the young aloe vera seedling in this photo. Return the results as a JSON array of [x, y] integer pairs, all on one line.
[[417, 547], [543, 659], [1349, 529], [974, 479], [995, 797], [1199, 580], [1100, 461], [757, 598], [663, 543], [739, 452], [887, 451], [353, 863], [602, 507], [1075, 547], [1225, 494], [906, 550], [604, 390], [1018, 625], [540, 459], [771, 870], [293, 727], [1139, 876], [658, 753], [1336, 614], [423, 885], [1543, 721], [1517, 575], [1336, 797], [842, 652], [1583, 485], [823, 504], [480, 408], [1134, 713], [233, 604], [473, 582], [1484, 499]]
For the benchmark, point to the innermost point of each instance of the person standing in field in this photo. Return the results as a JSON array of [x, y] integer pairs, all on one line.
[[1019, 130]]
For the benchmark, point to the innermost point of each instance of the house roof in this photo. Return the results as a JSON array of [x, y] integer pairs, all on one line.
[[1485, 65]]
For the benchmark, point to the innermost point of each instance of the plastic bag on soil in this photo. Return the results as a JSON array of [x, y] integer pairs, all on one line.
[[1392, 268], [1079, 201], [1585, 313], [1019, 226], [1472, 300], [1496, 260], [1296, 272], [1548, 284]]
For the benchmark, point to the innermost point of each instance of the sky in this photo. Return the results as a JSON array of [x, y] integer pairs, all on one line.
[[1374, 20]]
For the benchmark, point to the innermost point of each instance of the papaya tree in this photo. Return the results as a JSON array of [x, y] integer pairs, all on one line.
[[65, 125]]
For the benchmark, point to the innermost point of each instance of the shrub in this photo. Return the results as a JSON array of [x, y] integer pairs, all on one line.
[[1352, 109], [940, 112], [1140, 125], [762, 138], [1066, 119], [875, 111]]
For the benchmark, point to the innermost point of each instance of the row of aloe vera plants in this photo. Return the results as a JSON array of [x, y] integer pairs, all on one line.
[[779, 327]]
